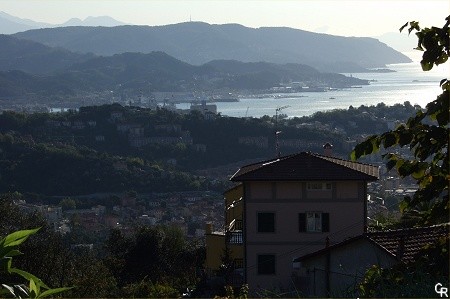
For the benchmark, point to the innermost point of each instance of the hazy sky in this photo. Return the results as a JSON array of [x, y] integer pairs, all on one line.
[[349, 18]]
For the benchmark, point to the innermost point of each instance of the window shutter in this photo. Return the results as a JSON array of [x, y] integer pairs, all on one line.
[[325, 222], [302, 222], [266, 222]]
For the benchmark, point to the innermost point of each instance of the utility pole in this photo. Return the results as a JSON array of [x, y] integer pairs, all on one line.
[[277, 148]]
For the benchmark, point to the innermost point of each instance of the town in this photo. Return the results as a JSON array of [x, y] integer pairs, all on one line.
[[258, 158]]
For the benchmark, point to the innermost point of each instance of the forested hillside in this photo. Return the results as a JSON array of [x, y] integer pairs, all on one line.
[[90, 151]]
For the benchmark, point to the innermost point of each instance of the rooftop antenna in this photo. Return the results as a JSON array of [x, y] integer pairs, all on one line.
[[277, 148]]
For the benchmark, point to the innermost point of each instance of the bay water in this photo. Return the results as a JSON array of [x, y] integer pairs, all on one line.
[[407, 83]]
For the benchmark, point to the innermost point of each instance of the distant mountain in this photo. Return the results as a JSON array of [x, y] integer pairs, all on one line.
[[10, 24], [27, 22], [198, 43], [33, 57], [104, 21]]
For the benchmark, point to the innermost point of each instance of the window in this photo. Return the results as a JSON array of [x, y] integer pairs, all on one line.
[[266, 264], [314, 222], [238, 263], [266, 222], [319, 186]]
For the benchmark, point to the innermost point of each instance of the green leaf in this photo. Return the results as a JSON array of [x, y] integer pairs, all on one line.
[[403, 27], [390, 139], [34, 290], [419, 173], [29, 276], [54, 291], [18, 237], [403, 205], [6, 264], [426, 66], [442, 59], [13, 252]]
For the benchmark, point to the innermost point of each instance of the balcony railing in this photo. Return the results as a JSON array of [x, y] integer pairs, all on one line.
[[235, 237]]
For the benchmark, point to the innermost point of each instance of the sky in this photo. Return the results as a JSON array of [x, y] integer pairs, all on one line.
[[347, 18]]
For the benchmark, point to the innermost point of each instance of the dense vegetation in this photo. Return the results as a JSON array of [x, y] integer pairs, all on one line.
[[155, 71], [151, 262], [45, 154], [38, 156]]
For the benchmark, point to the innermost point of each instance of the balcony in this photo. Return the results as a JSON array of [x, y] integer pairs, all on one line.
[[235, 225], [235, 237]]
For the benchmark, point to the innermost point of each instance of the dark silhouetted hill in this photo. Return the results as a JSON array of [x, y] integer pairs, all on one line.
[[158, 71], [33, 57]]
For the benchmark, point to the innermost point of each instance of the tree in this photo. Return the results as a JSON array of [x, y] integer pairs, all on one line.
[[68, 203], [427, 136]]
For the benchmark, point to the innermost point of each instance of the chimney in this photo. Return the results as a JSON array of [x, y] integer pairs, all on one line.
[[208, 228], [328, 149]]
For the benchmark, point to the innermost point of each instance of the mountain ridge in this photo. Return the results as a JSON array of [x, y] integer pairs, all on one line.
[[33, 57], [10, 24], [198, 43], [157, 71]]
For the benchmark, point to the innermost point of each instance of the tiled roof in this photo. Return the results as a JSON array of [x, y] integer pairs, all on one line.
[[306, 166], [402, 244]]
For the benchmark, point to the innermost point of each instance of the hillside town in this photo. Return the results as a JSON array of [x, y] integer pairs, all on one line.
[[256, 158]]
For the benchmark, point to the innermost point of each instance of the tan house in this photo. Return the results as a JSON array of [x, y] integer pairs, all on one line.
[[292, 206], [231, 239]]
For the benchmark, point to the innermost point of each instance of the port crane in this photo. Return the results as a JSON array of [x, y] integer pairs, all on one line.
[[277, 148]]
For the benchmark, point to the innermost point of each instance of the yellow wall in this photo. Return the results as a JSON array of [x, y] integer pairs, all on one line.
[[215, 242], [215, 247], [233, 197]]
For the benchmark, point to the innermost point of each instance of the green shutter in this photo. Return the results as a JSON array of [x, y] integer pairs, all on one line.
[[302, 222], [266, 222], [325, 222]]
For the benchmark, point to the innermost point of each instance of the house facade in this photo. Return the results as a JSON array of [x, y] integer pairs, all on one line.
[[337, 270], [291, 206]]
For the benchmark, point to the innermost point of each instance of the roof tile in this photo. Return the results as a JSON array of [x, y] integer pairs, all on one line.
[[404, 244], [306, 166]]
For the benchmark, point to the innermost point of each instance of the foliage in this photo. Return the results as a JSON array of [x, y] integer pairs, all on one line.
[[68, 267], [427, 136], [146, 289], [229, 293], [44, 168], [173, 262], [413, 280], [36, 287], [93, 278]]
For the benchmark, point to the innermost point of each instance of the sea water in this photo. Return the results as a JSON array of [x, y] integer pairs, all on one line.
[[407, 83]]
